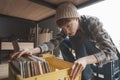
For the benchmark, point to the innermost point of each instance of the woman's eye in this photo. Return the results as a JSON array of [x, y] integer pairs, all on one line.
[[68, 26]]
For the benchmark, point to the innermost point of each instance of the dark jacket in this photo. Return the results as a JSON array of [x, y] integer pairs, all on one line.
[[91, 28]]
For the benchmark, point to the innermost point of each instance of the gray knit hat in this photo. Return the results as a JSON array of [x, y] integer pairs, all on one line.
[[66, 10]]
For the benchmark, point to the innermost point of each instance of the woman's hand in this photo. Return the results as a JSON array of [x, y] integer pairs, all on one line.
[[20, 53], [80, 64], [77, 68], [26, 51]]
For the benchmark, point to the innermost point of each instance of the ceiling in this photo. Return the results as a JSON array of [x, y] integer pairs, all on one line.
[[35, 10]]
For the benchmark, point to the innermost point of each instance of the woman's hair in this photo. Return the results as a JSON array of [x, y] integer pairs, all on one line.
[[64, 21]]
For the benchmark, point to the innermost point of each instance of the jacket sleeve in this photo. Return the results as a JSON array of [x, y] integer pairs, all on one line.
[[103, 42], [53, 43]]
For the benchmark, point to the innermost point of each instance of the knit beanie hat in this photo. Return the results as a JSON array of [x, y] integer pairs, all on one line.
[[66, 10]]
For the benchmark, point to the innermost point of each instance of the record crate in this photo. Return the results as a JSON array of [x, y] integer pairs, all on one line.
[[59, 70]]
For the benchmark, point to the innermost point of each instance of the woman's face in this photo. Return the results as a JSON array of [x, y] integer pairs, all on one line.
[[71, 27]]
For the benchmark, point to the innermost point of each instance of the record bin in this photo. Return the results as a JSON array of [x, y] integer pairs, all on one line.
[[59, 70]]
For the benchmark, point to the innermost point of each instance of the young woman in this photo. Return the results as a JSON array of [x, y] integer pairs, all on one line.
[[91, 43]]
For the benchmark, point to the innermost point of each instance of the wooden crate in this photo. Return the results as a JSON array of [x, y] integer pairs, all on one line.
[[55, 63]]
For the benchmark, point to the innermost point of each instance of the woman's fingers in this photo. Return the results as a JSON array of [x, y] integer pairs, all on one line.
[[72, 69], [24, 52], [77, 71], [20, 53], [15, 55]]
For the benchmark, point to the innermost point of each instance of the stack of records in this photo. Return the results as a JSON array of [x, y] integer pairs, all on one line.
[[30, 66]]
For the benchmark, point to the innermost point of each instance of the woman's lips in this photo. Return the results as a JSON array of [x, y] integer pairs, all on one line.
[[71, 34]]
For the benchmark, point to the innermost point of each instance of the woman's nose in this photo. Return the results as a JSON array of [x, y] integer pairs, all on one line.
[[67, 31]]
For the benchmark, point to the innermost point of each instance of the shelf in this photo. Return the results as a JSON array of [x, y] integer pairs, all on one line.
[[23, 45]]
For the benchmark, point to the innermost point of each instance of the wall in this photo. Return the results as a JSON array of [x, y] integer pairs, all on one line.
[[11, 29], [14, 28], [49, 23]]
